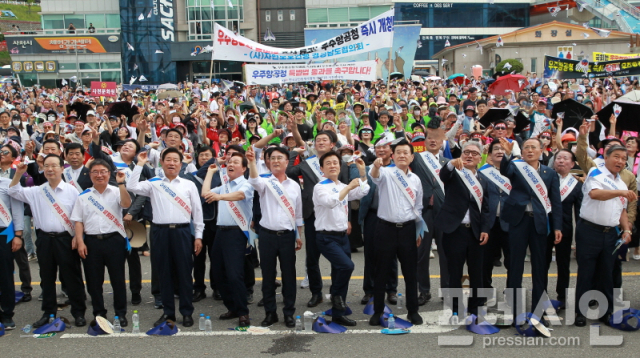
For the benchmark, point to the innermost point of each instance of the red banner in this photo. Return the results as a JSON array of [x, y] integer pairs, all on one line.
[[106, 89], [3, 45], [419, 147]]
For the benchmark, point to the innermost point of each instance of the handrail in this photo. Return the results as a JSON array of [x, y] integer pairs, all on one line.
[[63, 32]]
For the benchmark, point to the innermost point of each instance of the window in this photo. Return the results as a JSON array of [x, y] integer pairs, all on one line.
[[97, 21], [280, 15], [76, 20], [67, 66], [111, 76], [359, 13], [89, 65], [113, 21], [267, 16], [110, 65], [533, 64], [292, 15], [315, 16], [338, 15], [52, 22]]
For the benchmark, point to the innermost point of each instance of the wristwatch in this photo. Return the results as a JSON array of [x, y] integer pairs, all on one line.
[[629, 231]]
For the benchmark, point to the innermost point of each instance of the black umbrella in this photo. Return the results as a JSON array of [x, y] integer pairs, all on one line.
[[628, 117], [497, 114], [574, 112], [120, 108], [396, 75], [488, 81], [81, 109]]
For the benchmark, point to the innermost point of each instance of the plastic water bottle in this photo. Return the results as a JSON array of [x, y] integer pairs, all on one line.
[[400, 298], [207, 325], [455, 319], [51, 318], [116, 325], [27, 328], [298, 324], [201, 323], [136, 322], [391, 322]]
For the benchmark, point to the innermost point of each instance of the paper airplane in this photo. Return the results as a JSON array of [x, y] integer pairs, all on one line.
[[464, 55], [73, 79], [554, 10], [143, 79], [130, 47], [507, 66], [230, 3], [601, 32], [132, 80], [580, 5], [585, 25], [159, 51], [207, 49], [141, 17], [446, 43], [268, 35], [586, 35], [149, 14], [520, 83], [135, 66], [419, 44], [443, 61], [499, 42], [64, 82], [478, 47]]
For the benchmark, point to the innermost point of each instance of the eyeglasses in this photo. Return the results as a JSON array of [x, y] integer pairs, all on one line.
[[471, 153], [545, 137], [101, 172], [51, 166], [500, 128], [5, 152], [277, 159]]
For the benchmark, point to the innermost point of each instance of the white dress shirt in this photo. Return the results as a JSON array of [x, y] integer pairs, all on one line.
[[14, 206], [273, 215], [165, 212], [43, 215], [94, 223], [606, 213], [332, 213], [394, 206], [246, 205]]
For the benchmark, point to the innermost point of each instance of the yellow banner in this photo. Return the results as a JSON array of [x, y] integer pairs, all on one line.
[[603, 56]]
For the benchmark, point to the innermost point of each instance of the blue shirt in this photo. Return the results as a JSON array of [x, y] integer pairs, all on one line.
[[239, 184]]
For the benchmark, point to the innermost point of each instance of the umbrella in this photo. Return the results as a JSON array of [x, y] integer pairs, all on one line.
[[459, 78], [488, 81], [505, 84], [497, 114], [170, 94], [628, 117], [421, 73], [433, 78], [632, 95], [239, 84], [120, 108], [81, 109], [168, 86], [396, 75], [574, 112]]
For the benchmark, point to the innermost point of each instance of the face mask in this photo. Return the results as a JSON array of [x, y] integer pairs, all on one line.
[[347, 158], [417, 113], [51, 118], [464, 97], [16, 123]]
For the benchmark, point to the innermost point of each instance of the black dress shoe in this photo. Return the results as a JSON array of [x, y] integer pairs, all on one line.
[[606, 319], [27, 297], [163, 319], [366, 298], [415, 318], [315, 300], [228, 315], [80, 321], [497, 263], [392, 298], [216, 295], [261, 302], [198, 296], [270, 319], [581, 321], [375, 319], [187, 321], [123, 321], [41, 322], [289, 321], [338, 303], [136, 299], [9, 324], [424, 298], [158, 303], [244, 321], [344, 320]]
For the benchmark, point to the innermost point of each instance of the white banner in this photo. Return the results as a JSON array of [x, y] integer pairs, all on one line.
[[372, 35], [274, 74]]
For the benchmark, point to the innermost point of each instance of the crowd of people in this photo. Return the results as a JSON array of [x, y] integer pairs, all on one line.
[[248, 175]]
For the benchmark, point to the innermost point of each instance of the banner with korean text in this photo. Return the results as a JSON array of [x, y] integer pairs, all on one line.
[[371, 35], [558, 68], [274, 74], [105, 89]]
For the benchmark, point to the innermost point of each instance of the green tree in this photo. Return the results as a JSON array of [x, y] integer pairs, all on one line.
[[516, 66]]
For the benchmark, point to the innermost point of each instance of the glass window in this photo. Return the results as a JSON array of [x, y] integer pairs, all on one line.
[[76, 20], [191, 3], [207, 13], [193, 13], [219, 13], [52, 22], [533, 64], [317, 16], [97, 20], [338, 15], [110, 65], [464, 15], [111, 76], [28, 79], [280, 15], [67, 66], [377, 10], [267, 16], [292, 15], [89, 65], [113, 21], [207, 27], [359, 13], [232, 12]]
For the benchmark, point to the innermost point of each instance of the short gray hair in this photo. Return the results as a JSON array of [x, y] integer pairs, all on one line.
[[474, 143], [615, 148]]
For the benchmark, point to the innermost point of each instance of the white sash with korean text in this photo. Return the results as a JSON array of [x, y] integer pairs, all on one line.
[[472, 183], [596, 174], [121, 165], [173, 195], [532, 178], [5, 214], [566, 186], [498, 179], [277, 190], [238, 216], [434, 167], [599, 162], [108, 214], [314, 164], [58, 210], [401, 180], [68, 177], [195, 175]]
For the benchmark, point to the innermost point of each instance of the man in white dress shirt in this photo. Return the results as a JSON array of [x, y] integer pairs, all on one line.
[[330, 198], [51, 204], [176, 203]]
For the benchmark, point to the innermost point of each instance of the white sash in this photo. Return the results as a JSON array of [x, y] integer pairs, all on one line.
[[106, 213], [566, 186], [236, 212], [5, 215], [498, 179], [401, 180], [434, 167], [169, 192], [596, 174], [314, 164], [277, 190], [121, 165], [58, 210], [535, 182], [471, 182], [599, 162], [195, 175], [68, 177]]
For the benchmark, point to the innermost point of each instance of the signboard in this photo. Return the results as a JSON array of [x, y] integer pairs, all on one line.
[[25, 45], [419, 147], [371, 35], [566, 52], [602, 56], [34, 66], [558, 68], [105, 89], [146, 88], [273, 74]]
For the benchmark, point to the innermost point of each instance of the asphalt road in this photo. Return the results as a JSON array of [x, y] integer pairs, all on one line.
[[362, 340]]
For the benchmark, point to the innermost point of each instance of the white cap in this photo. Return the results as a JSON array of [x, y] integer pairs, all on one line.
[[91, 113]]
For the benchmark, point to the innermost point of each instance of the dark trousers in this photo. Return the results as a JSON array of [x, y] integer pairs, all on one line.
[[229, 261], [498, 243], [522, 236], [594, 250], [24, 270], [355, 237], [55, 253], [392, 242], [313, 256], [172, 250], [563, 261], [337, 249], [424, 256], [111, 253], [155, 280], [200, 262], [7, 289], [272, 248], [135, 270], [250, 271], [369, 230], [463, 246]]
